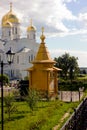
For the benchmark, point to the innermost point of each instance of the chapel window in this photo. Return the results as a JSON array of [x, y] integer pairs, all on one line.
[[51, 74]]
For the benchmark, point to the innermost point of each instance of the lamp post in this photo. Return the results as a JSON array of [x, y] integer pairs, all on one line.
[[10, 56]]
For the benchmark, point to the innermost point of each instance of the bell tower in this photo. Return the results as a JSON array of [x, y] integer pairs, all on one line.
[[31, 32]]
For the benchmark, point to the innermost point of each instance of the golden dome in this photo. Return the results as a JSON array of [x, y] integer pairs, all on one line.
[[31, 27], [10, 16], [7, 24]]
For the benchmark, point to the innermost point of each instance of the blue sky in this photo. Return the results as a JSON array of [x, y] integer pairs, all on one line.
[[65, 23]]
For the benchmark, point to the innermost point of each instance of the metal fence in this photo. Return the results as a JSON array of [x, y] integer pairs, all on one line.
[[77, 119]]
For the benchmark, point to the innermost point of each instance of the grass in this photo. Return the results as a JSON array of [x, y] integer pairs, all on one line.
[[44, 117]]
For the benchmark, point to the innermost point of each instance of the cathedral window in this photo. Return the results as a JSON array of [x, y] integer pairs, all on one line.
[[0, 58], [29, 59], [17, 59], [15, 30], [34, 36], [28, 36], [9, 33]]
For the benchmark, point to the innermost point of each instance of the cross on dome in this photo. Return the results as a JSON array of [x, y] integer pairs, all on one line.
[[42, 37], [10, 6], [30, 22], [42, 30]]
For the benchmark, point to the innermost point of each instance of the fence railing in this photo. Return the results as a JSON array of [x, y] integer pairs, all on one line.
[[76, 121]]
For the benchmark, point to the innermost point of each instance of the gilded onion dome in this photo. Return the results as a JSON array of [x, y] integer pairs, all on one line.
[[7, 24], [31, 27], [10, 16]]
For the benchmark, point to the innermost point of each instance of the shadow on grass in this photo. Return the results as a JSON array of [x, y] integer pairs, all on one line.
[[22, 112], [13, 118]]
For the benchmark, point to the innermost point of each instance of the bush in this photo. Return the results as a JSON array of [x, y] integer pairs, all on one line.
[[32, 98], [5, 78], [24, 87], [9, 105], [71, 86]]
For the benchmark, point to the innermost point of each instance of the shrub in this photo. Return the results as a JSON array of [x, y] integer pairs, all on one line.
[[71, 86], [32, 98], [5, 78], [9, 105], [24, 87]]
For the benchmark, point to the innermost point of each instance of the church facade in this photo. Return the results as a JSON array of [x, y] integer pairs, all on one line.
[[25, 49]]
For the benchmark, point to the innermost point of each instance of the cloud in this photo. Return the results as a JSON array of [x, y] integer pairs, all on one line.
[[52, 14], [83, 18], [46, 13], [70, 1]]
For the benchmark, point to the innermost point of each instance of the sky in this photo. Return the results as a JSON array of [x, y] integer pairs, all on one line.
[[64, 22]]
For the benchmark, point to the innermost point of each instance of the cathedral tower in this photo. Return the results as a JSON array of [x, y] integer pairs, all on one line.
[[10, 26], [31, 32]]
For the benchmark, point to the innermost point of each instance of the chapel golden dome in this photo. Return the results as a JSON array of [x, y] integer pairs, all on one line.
[[10, 16], [31, 27]]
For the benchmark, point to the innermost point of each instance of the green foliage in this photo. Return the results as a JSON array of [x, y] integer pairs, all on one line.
[[5, 78], [32, 98], [48, 115], [66, 85], [26, 78], [69, 66], [24, 87], [9, 105]]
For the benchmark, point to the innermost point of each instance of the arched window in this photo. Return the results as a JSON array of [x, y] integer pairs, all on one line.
[[9, 33], [17, 59], [15, 30], [29, 59], [0, 58], [34, 36]]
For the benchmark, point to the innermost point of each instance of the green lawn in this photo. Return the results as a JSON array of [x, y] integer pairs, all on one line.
[[44, 117]]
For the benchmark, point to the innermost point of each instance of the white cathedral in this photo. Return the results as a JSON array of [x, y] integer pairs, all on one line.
[[24, 48]]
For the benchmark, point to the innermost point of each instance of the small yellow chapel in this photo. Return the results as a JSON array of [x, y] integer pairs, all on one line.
[[43, 76]]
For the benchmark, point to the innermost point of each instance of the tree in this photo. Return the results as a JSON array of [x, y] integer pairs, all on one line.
[[68, 64], [10, 107], [73, 68], [32, 98], [5, 78]]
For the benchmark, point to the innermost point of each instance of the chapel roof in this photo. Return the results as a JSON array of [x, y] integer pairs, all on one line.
[[43, 54]]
